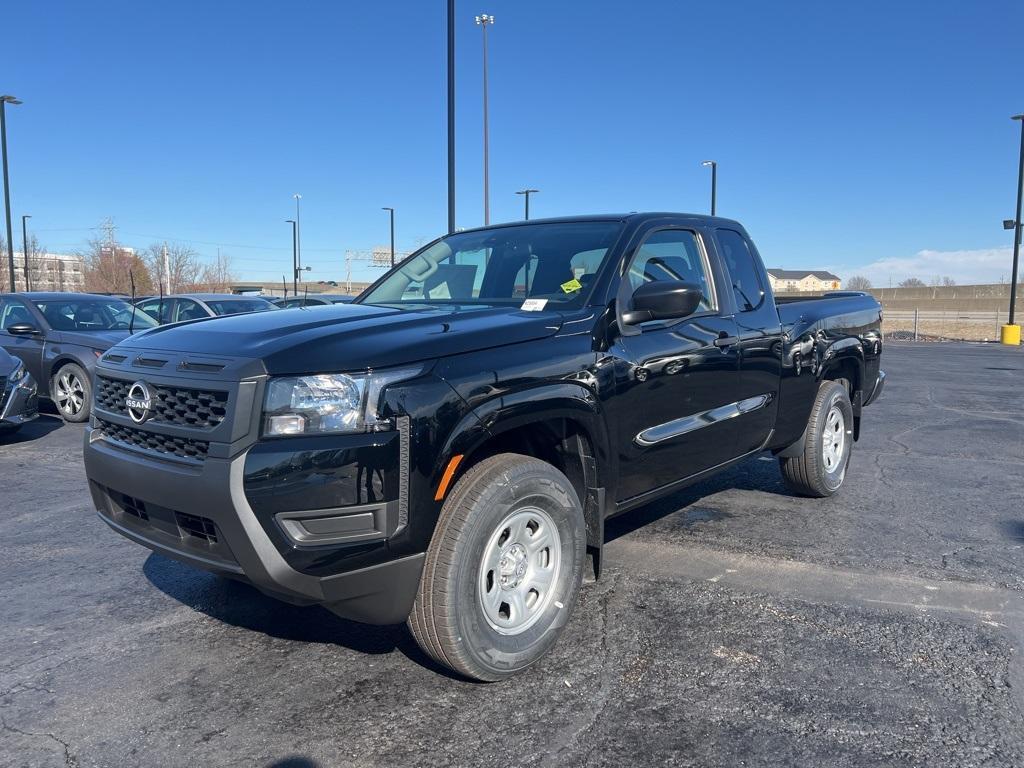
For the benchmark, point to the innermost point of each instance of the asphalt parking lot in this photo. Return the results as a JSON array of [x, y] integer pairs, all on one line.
[[736, 625]]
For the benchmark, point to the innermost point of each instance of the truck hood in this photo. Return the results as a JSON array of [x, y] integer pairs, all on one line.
[[349, 336]]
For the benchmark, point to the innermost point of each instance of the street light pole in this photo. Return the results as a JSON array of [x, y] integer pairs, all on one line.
[[24, 248], [392, 212], [295, 256], [714, 182], [4, 101], [526, 193], [1017, 222], [298, 231], [451, 116], [485, 21]]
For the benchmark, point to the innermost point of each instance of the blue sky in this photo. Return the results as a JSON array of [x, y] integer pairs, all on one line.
[[871, 137]]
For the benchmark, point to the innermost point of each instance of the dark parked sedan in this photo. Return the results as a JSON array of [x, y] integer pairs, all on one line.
[[313, 301], [59, 336], [19, 402], [193, 306]]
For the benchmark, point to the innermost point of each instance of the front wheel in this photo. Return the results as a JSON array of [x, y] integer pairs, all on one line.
[[503, 570], [71, 392], [821, 468]]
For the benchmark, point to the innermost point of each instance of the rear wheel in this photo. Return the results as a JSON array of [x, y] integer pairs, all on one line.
[[821, 469], [503, 570], [71, 392]]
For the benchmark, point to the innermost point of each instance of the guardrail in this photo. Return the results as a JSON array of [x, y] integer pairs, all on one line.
[[942, 325]]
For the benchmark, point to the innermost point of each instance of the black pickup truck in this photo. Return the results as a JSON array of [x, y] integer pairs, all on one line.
[[445, 450]]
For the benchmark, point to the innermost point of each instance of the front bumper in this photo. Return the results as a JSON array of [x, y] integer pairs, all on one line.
[[208, 522], [19, 404], [877, 391]]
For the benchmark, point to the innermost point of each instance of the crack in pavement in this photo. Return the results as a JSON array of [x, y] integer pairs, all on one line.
[[70, 761]]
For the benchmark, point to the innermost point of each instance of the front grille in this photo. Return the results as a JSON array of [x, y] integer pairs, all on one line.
[[168, 445], [199, 527], [198, 408], [131, 506]]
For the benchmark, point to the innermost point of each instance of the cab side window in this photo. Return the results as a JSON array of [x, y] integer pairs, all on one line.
[[746, 281], [673, 254]]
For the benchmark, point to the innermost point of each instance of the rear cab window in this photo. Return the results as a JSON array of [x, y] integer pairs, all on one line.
[[747, 288]]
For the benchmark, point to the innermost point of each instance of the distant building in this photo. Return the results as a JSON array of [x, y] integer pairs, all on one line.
[[803, 280], [50, 271]]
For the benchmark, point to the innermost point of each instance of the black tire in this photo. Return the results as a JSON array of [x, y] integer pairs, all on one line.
[[820, 470], [449, 619], [71, 392]]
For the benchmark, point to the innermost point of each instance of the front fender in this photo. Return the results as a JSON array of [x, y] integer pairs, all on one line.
[[535, 404]]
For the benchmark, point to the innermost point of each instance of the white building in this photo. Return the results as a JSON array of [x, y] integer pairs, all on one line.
[[48, 272], [803, 281]]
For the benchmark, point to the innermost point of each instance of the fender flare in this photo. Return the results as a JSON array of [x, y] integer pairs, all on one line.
[[537, 404]]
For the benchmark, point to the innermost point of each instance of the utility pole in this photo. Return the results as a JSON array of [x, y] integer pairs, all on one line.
[[484, 21], [451, 116], [295, 256], [526, 193], [298, 233], [24, 249], [392, 212], [714, 182], [167, 272], [4, 101], [1010, 329]]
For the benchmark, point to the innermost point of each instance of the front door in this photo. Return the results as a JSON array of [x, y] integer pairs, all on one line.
[[677, 380]]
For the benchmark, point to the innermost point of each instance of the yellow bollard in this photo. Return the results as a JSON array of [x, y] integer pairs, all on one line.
[[1010, 334]]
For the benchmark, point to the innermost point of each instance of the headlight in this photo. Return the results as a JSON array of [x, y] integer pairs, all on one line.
[[329, 402], [20, 374]]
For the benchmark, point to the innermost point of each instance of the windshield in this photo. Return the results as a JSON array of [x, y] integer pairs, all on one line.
[[554, 263], [93, 314], [238, 306]]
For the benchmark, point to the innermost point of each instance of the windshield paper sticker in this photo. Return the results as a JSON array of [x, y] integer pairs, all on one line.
[[534, 305], [572, 285]]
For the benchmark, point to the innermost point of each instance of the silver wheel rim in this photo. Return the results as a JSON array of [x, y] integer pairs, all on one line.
[[70, 394], [519, 570], [834, 439]]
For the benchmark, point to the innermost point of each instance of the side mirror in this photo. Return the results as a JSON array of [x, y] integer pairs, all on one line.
[[663, 300], [22, 329]]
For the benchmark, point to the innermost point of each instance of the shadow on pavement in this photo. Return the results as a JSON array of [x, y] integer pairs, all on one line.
[[41, 427], [294, 761], [757, 474], [243, 606]]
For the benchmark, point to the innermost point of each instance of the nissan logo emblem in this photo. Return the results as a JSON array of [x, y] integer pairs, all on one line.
[[138, 402]]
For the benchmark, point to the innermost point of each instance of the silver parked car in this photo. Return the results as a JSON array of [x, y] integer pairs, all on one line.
[[193, 306]]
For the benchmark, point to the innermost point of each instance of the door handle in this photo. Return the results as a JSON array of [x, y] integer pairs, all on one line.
[[726, 341]]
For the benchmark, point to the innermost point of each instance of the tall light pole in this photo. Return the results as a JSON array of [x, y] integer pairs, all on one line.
[[392, 212], [1017, 224], [526, 193], [24, 248], [714, 182], [484, 21], [295, 255], [4, 101], [298, 232], [451, 116]]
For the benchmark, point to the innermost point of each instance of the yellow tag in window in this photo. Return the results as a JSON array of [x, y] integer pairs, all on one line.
[[572, 285]]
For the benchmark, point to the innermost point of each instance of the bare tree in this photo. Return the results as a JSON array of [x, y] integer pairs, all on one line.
[[948, 281], [217, 277], [858, 283], [110, 266], [913, 282], [183, 266]]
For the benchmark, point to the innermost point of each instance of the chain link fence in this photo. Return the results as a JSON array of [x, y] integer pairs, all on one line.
[[942, 325]]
